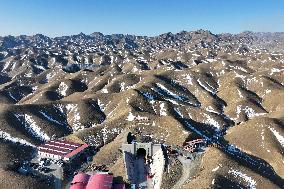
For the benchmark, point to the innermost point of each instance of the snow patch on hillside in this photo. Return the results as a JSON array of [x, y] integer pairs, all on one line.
[[8, 137], [211, 109], [169, 95], [216, 168], [49, 76], [250, 112], [189, 79], [279, 137], [276, 70], [122, 86], [31, 126], [74, 117], [250, 181], [210, 121], [168, 92], [50, 118], [62, 89], [101, 105], [12, 96], [163, 111], [206, 86], [104, 90], [108, 132], [132, 117]]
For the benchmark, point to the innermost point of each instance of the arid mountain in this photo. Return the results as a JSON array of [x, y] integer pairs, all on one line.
[[228, 89]]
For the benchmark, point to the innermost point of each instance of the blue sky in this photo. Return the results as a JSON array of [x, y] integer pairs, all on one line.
[[140, 17]]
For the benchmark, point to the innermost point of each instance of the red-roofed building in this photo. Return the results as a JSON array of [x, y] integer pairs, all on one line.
[[100, 181], [61, 149], [96, 181], [80, 181], [81, 177]]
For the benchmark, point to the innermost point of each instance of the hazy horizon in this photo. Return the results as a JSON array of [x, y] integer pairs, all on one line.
[[144, 18], [138, 34]]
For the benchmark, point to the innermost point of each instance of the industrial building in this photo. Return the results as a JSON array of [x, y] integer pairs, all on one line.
[[61, 150], [144, 164]]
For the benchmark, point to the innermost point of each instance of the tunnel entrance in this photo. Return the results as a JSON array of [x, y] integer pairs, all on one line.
[[141, 153]]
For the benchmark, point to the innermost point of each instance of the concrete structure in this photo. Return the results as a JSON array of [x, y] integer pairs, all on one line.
[[61, 149], [150, 148], [157, 168], [142, 173]]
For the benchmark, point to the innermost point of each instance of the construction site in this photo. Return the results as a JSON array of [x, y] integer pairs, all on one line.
[[147, 165]]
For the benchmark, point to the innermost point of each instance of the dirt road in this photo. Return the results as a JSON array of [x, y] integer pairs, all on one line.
[[189, 169]]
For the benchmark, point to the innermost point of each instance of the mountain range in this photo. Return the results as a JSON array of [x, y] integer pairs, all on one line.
[[169, 89]]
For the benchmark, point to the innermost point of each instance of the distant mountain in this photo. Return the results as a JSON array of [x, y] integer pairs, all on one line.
[[270, 41]]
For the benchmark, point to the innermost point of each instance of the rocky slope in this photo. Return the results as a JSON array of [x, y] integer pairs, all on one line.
[[170, 88]]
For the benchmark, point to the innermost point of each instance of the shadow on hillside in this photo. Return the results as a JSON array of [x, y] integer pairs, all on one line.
[[254, 163], [189, 98], [222, 182]]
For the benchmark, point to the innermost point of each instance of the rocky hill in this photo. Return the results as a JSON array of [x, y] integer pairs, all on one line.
[[226, 88]]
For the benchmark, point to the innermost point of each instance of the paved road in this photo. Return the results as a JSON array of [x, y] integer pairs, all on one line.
[[58, 173], [56, 170]]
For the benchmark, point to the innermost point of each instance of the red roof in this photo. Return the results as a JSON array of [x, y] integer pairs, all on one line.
[[65, 151], [100, 181], [62, 145], [62, 148], [81, 178], [78, 185], [66, 143], [71, 143], [74, 152], [96, 181]]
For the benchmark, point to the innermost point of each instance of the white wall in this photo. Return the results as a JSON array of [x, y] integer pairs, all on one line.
[[157, 168]]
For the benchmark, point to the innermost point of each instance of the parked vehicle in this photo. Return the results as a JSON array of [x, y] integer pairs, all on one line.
[[45, 169], [34, 165], [47, 162]]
